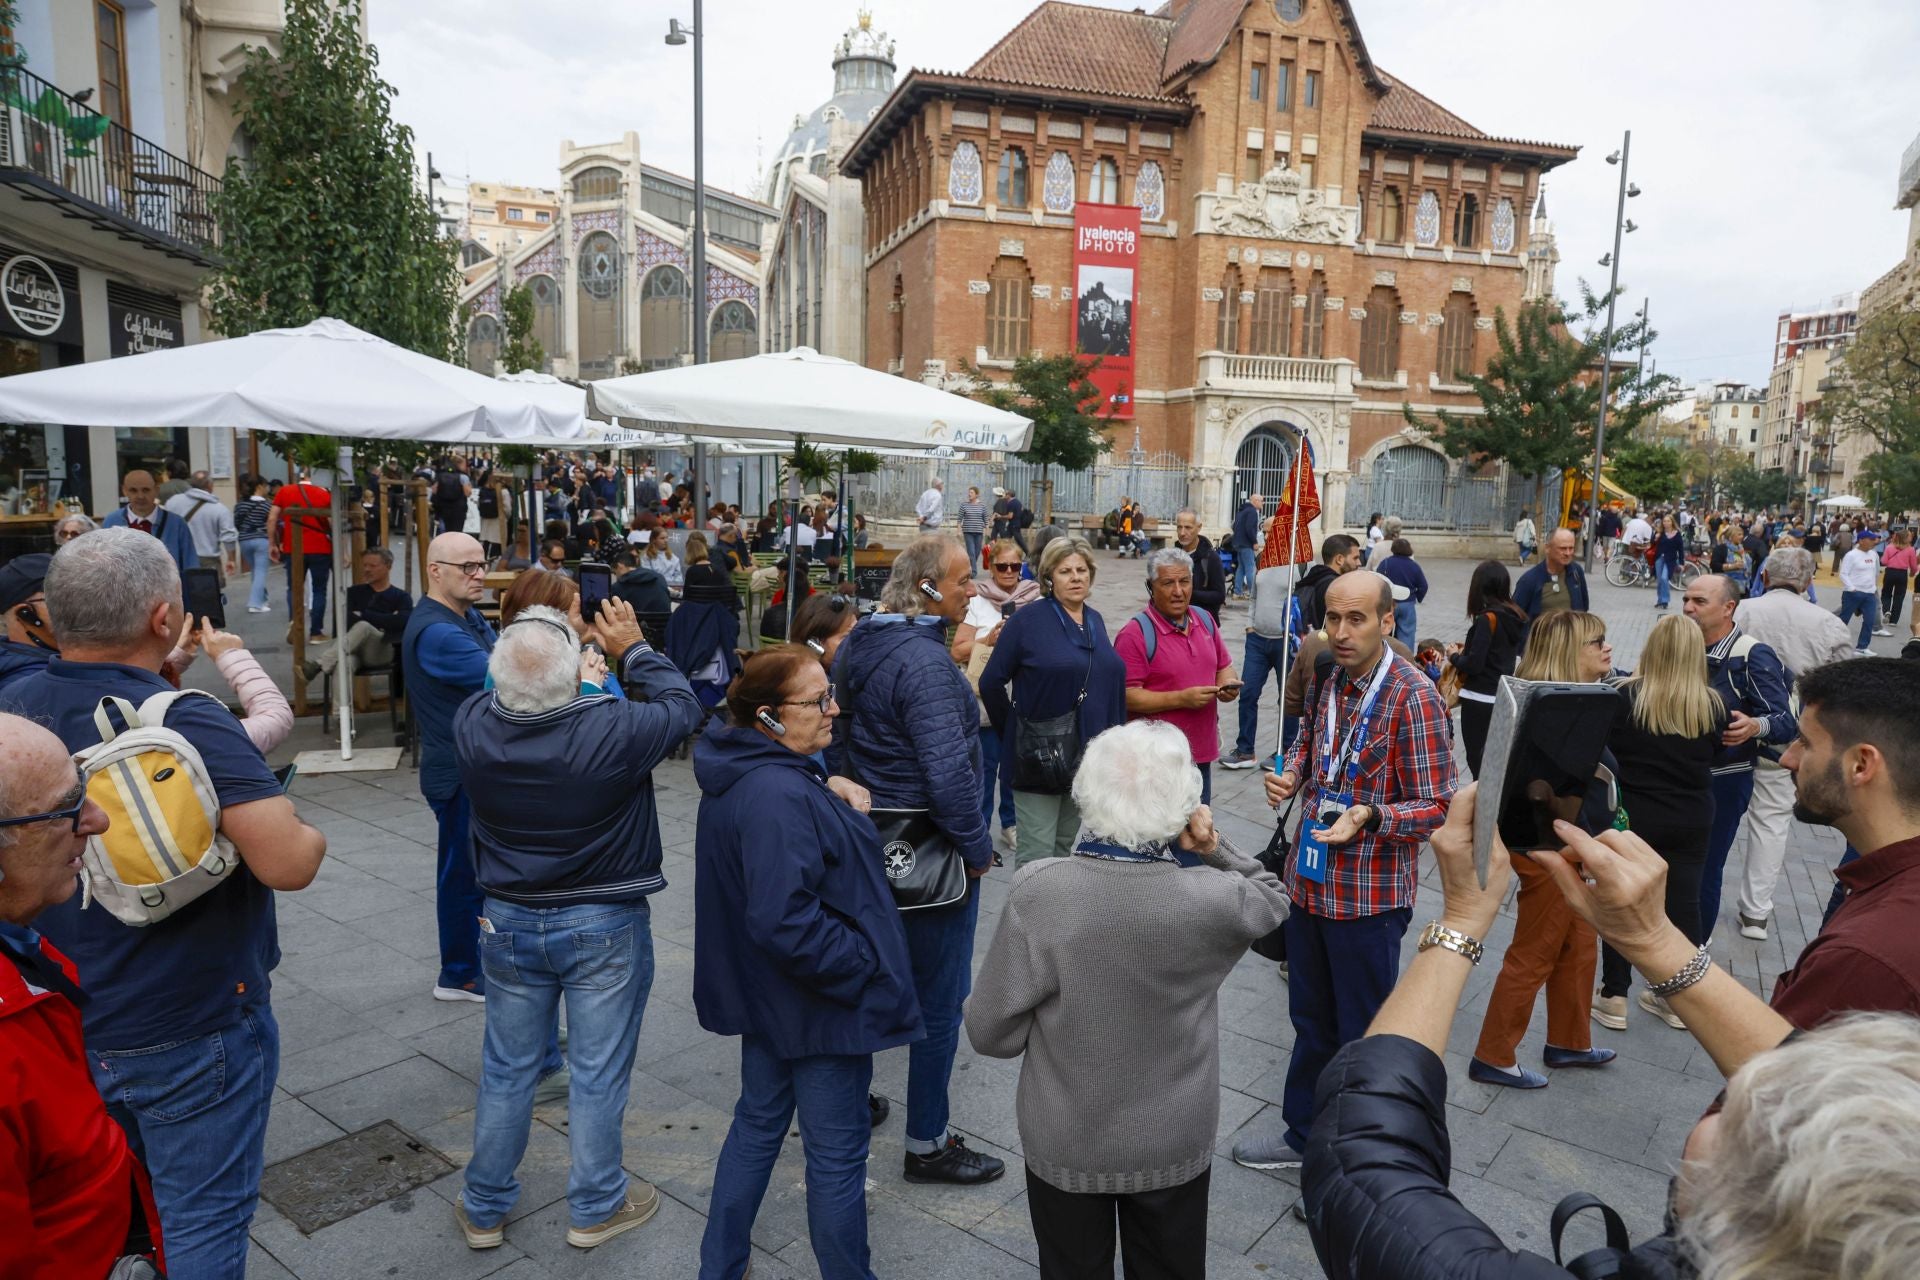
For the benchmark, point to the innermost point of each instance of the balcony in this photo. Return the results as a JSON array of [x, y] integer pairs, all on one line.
[[1275, 375], [57, 151], [1823, 466]]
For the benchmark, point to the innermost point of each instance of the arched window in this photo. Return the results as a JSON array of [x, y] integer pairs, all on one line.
[[483, 344], [1392, 217], [1057, 193], [602, 305], [598, 183], [1009, 310], [1466, 221], [1264, 465], [732, 335], [1103, 184], [1456, 339], [1272, 313], [546, 314], [1226, 329], [663, 318], [1313, 325], [1010, 189], [1380, 335], [1411, 482]]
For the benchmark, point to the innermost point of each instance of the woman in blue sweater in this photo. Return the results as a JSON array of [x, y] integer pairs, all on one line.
[[1402, 571], [1669, 554], [1055, 655]]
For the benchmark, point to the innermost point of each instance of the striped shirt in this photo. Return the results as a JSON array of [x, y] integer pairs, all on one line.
[[250, 517], [973, 517]]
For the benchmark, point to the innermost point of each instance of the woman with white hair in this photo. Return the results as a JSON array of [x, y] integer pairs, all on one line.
[[1119, 1098]]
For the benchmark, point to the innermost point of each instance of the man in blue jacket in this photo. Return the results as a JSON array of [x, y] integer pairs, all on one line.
[[909, 731], [566, 849], [1752, 681], [1246, 544], [28, 643], [144, 512], [1556, 582]]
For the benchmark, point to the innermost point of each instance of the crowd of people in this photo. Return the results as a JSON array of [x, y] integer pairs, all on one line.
[[851, 771]]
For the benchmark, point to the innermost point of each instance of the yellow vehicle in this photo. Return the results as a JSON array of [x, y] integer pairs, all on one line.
[[1576, 486]]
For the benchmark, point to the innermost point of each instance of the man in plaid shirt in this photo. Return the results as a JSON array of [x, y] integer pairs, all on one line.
[[1387, 776]]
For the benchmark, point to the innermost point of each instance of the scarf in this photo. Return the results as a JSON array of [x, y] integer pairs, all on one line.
[[1024, 592]]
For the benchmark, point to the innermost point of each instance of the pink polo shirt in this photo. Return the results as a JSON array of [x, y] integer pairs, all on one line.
[[1181, 660]]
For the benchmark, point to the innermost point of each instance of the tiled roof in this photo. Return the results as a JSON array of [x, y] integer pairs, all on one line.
[[1200, 33], [1081, 48], [1405, 109]]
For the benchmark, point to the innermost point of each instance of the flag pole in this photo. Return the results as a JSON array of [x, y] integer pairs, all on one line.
[[1293, 572]]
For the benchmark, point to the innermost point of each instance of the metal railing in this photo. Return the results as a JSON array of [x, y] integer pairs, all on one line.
[[54, 145], [1453, 503]]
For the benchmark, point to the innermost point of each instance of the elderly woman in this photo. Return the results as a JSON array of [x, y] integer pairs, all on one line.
[[1053, 684], [995, 599], [799, 951], [1120, 1080]]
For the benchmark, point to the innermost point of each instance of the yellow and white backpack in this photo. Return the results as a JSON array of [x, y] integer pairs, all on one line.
[[162, 848]]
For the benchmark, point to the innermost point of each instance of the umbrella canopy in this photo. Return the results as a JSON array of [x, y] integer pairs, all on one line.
[[327, 378], [1845, 501], [801, 392]]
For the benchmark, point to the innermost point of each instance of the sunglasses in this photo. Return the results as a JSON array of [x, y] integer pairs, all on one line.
[[1014, 567]]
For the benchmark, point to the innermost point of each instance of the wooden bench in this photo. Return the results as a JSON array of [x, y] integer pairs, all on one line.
[[1094, 530]]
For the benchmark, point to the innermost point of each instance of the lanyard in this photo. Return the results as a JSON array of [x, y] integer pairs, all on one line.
[[1348, 760]]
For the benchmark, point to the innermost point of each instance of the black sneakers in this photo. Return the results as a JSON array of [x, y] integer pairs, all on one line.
[[877, 1110], [954, 1163]]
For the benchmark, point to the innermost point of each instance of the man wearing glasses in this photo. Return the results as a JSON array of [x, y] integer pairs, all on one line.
[[72, 1181], [29, 639]]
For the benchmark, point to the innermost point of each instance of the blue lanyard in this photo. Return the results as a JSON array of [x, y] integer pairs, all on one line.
[[1348, 761]]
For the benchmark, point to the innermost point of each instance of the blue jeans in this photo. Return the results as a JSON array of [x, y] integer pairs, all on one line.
[[940, 946], [1731, 792], [830, 1093], [195, 1112], [1206, 782], [1406, 624], [1662, 579], [1867, 605], [457, 896], [601, 956], [319, 573], [253, 553], [974, 542], [1339, 973], [990, 777], [1244, 559], [1262, 659]]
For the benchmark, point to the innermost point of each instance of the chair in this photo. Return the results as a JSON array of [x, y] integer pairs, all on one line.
[[399, 716]]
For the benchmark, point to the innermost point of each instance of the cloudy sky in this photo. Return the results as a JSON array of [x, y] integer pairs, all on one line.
[[1766, 135]]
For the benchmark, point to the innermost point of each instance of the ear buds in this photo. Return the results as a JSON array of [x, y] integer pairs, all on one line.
[[930, 591], [765, 717]]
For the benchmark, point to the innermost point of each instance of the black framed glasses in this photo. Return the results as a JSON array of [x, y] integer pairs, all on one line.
[[824, 702], [70, 814], [471, 568]]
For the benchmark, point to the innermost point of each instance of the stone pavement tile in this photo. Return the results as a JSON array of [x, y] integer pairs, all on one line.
[[667, 1246], [413, 1235], [418, 826], [342, 1058], [419, 1011], [305, 932], [362, 977], [709, 1069], [407, 865], [1243, 1204], [454, 1045], [1608, 1112], [960, 1206], [673, 967], [1244, 1060], [670, 1027], [1549, 1170], [261, 1266], [1240, 1112], [1009, 1228], [908, 1242], [1476, 1139], [1287, 1254], [293, 1127], [347, 894], [542, 1172], [414, 1093], [524, 1269], [406, 928], [1258, 1015], [308, 1020], [1521, 1221]]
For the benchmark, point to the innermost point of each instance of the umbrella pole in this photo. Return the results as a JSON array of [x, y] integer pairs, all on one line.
[[840, 533], [342, 675], [793, 537]]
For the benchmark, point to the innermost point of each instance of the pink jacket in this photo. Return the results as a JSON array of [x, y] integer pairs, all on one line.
[[1900, 558], [269, 719]]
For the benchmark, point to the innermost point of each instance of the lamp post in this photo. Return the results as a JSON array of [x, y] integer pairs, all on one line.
[[1621, 225], [677, 35]]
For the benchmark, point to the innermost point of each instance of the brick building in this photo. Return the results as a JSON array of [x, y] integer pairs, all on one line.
[[1322, 243]]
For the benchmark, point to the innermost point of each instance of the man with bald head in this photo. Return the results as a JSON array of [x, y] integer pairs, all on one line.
[[144, 512], [1373, 764]]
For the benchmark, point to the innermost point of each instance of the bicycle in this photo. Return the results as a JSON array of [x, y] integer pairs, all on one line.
[[1629, 568]]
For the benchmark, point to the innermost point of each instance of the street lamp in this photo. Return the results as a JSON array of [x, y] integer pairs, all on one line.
[[677, 34], [1621, 225]]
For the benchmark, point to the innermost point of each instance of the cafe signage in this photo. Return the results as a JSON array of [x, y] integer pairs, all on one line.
[[139, 321], [32, 296]]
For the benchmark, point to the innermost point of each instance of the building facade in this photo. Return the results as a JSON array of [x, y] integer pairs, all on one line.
[[611, 274], [112, 143], [1815, 328], [502, 217], [1321, 244]]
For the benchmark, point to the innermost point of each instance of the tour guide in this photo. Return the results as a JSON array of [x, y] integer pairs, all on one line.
[[1377, 756]]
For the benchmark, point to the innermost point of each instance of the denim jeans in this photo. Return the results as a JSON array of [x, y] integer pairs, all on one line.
[[600, 955], [195, 1112], [457, 895], [1263, 658], [1406, 622], [1206, 782], [940, 946], [830, 1093], [253, 554], [1662, 581], [1244, 559], [974, 542], [1867, 605], [991, 777], [1731, 793], [319, 572]]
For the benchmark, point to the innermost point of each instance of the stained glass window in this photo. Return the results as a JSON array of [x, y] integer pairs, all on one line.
[[663, 318], [733, 334], [599, 183]]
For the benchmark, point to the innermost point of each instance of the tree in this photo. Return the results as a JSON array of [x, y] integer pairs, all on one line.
[[523, 351], [1754, 490], [1876, 383], [1650, 472], [1054, 391], [1707, 464], [1540, 396]]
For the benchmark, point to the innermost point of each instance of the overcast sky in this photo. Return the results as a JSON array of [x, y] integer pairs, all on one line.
[[1767, 134]]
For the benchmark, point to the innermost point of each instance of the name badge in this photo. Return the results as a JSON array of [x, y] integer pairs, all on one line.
[[1311, 861]]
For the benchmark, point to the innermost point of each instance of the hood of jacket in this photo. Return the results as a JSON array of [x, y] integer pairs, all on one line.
[[728, 753]]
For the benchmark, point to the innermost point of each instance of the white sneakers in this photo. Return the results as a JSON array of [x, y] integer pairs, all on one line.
[[1751, 928]]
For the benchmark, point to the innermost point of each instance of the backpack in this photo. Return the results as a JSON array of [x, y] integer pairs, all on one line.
[[1025, 518], [489, 498], [1144, 620], [447, 489], [163, 848]]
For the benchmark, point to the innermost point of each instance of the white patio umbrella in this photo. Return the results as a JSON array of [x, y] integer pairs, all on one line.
[[324, 378], [1844, 501]]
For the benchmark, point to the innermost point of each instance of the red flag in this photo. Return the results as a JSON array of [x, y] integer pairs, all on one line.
[[1288, 541]]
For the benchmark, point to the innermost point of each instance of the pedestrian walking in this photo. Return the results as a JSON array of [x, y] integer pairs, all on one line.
[[1403, 571], [1495, 629], [1556, 583], [1860, 588], [216, 540], [1526, 538], [250, 515], [1246, 544], [931, 509], [973, 526], [1669, 554], [1178, 667], [1898, 564]]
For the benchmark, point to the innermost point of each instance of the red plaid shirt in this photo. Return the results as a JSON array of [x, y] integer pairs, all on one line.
[[1406, 771]]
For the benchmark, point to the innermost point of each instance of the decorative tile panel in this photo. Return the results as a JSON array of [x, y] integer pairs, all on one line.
[[544, 261], [487, 301], [1109, 133], [650, 251], [723, 286], [1211, 295], [1385, 277], [1043, 291], [963, 175], [1063, 128], [1155, 138], [1399, 166], [598, 220], [1426, 221], [1150, 191], [1501, 229], [1461, 284], [1473, 173], [1483, 323], [1011, 248], [979, 287], [970, 119], [1016, 124], [1057, 190]]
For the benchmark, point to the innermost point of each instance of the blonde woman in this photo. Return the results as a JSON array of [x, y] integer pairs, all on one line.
[[1551, 945], [1664, 742], [658, 556], [995, 599], [1053, 675]]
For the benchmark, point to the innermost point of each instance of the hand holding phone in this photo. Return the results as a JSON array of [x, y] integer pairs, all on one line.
[[596, 586], [1229, 691]]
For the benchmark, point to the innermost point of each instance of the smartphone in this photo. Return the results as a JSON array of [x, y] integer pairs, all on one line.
[[285, 774], [1542, 755], [596, 584], [1006, 610], [203, 599]]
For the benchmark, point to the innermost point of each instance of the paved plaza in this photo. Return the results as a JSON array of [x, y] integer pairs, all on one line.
[[364, 1042]]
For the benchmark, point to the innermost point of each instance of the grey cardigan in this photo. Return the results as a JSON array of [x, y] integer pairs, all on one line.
[[1106, 976]]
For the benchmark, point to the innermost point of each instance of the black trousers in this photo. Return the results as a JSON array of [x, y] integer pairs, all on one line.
[[1685, 851], [1163, 1234], [1893, 593], [1475, 719]]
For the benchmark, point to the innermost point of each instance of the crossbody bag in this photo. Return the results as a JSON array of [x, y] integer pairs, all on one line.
[[1046, 752]]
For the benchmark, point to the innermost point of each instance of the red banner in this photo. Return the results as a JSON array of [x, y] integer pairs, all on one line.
[[1106, 262]]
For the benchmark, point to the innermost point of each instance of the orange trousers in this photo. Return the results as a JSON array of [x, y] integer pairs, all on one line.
[[1551, 946]]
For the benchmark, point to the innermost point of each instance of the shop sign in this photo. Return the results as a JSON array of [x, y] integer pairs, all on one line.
[[32, 296], [137, 330]]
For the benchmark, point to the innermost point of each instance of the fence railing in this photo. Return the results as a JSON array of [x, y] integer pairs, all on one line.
[[1159, 484], [1463, 504], [113, 176]]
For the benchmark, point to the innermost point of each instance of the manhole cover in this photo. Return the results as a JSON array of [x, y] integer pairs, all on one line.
[[331, 1183]]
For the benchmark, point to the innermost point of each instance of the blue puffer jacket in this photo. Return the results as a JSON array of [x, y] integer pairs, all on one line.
[[18, 661], [909, 727], [795, 935]]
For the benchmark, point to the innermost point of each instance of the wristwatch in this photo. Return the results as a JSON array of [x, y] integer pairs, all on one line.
[[1373, 818], [1438, 935]]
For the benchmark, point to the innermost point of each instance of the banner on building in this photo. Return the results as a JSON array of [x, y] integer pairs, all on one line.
[[1106, 262]]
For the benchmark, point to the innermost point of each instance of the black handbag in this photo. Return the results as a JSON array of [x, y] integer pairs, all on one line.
[[1274, 858], [1046, 753], [924, 867]]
